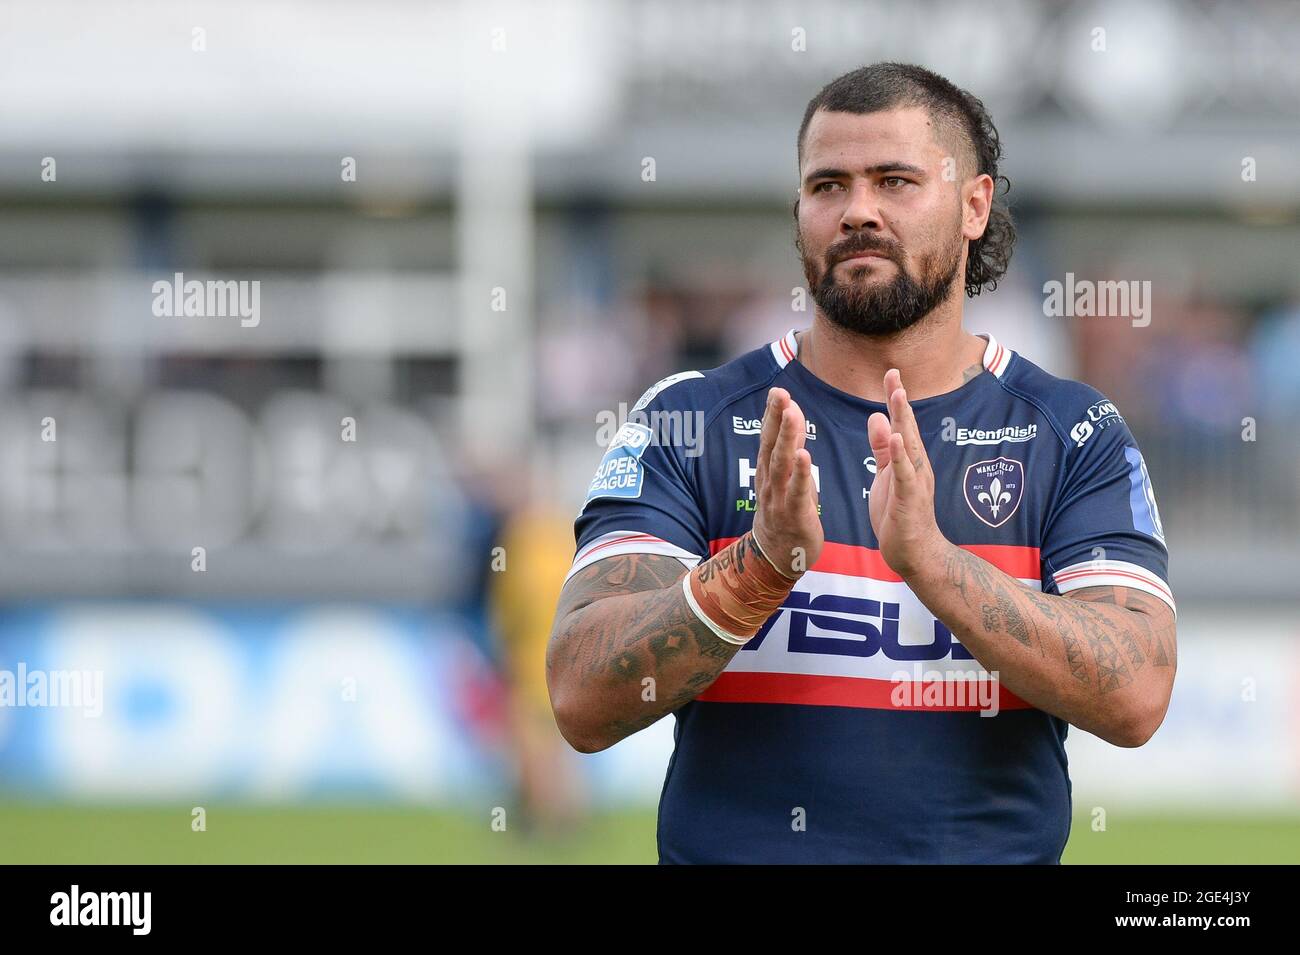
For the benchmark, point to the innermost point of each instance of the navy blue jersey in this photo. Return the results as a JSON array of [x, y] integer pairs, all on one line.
[[852, 727]]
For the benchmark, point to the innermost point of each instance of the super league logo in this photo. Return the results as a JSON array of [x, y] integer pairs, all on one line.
[[993, 489]]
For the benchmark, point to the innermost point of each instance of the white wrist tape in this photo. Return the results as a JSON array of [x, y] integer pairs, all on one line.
[[699, 612]]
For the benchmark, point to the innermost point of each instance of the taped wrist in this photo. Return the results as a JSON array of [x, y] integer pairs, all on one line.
[[736, 590]]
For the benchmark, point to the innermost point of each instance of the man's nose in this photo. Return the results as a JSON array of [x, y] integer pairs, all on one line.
[[862, 211]]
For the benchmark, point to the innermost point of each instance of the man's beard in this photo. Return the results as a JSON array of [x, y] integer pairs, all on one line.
[[881, 308]]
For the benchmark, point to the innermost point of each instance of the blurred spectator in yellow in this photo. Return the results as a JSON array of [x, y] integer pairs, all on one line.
[[536, 552]]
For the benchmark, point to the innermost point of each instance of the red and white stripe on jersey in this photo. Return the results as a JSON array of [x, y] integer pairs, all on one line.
[[996, 356], [1120, 573], [772, 673], [785, 348], [853, 560], [953, 693], [616, 543]]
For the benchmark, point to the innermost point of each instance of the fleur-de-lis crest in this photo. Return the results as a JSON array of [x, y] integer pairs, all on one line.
[[994, 497], [994, 489]]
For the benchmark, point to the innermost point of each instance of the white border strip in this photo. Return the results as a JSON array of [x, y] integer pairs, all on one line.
[[1117, 573], [617, 543], [696, 609]]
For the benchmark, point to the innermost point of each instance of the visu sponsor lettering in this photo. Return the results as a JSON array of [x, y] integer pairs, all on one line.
[[102, 908]]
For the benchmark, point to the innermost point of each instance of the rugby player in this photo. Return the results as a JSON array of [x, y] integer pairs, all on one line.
[[902, 560]]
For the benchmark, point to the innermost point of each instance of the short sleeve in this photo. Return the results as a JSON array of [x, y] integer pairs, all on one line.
[[641, 499], [1104, 528]]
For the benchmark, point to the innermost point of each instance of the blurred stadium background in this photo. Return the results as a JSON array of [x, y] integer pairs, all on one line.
[[479, 227]]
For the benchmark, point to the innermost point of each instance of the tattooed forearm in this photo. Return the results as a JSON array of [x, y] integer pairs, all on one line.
[[1104, 656], [1071, 644], [1012, 620], [1111, 671], [628, 648], [1074, 656], [624, 727], [1090, 638], [1002, 615]]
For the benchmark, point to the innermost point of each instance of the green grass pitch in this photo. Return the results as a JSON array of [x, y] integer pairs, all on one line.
[[76, 834]]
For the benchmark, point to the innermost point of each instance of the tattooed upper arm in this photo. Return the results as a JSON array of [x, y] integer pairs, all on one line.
[[600, 658], [1126, 597], [1158, 638], [621, 574]]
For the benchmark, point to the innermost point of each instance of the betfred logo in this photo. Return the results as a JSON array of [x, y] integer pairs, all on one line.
[[865, 627]]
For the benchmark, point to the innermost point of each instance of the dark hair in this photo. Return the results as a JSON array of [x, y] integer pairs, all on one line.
[[885, 86]]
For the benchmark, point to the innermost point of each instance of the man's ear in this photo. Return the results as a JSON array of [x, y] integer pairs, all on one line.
[[979, 205]]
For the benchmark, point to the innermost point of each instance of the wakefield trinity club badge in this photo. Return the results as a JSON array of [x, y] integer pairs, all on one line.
[[994, 488]]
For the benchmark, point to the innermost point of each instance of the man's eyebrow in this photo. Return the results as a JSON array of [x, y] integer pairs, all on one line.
[[832, 172]]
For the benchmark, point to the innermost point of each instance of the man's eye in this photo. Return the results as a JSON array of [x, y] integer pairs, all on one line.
[[894, 181], [820, 187]]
